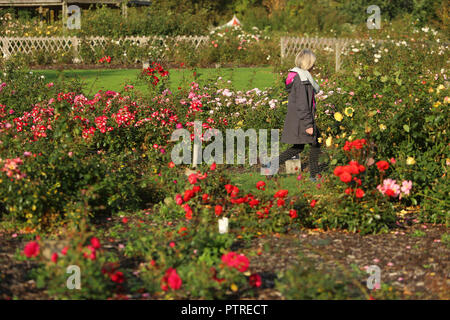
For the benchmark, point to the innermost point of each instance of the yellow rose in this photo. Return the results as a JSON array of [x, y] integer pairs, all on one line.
[[329, 141], [410, 161], [382, 127], [319, 140], [349, 111], [430, 90], [437, 104], [338, 116]]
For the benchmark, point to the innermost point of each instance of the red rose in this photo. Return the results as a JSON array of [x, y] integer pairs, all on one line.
[[313, 203], [281, 194], [253, 202], [55, 257], [293, 213], [95, 243], [241, 263], [31, 249], [359, 193], [205, 197], [280, 202], [382, 165], [348, 190], [255, 280], [345, 177], [182, 231], [188, 211], [218, 210], [233, 260], [354, 167], [64, 251], [338, 171], [235, 191], [260, 185], [188, 194], [171, 164], [390, 192], [192, 178], [90, 255], [171, 279], [228, 187], [117, 277], [213, 167], [178, 199]]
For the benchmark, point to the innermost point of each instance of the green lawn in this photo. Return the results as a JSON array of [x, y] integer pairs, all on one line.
[[115, 79], [247, 183]]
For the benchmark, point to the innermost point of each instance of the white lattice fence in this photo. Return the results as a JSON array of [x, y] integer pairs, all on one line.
[[12, 46], [290, 46], [27, 45]]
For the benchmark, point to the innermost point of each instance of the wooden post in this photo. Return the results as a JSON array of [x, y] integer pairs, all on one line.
[[40, 16], [282, 48], [64, 14], [124, 9]]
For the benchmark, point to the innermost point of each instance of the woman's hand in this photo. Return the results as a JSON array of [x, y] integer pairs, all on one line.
[[310, 131]]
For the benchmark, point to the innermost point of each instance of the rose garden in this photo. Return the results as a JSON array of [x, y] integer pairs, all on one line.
[[87, 178]]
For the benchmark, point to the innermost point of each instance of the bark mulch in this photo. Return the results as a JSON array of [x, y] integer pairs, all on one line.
[[413, 260]]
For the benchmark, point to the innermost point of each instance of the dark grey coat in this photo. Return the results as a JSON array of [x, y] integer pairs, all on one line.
[[300, 114]]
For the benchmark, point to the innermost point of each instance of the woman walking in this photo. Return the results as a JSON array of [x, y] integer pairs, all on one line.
[[299, 126]]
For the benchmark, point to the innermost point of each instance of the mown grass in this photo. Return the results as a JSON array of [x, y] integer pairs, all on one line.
[[115, 79], [247, 183]]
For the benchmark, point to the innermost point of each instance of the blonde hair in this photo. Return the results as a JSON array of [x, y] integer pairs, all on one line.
[[305, 59]]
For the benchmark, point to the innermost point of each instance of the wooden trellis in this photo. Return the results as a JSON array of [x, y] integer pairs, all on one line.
[[12, 45]]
